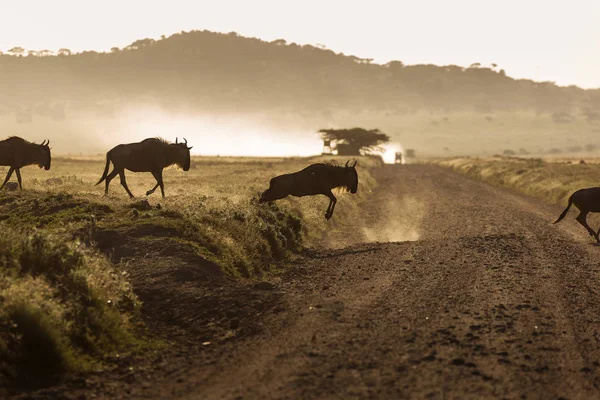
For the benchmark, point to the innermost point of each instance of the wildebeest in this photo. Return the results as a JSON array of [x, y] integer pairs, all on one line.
[[150, 155], [315, 179], [16, 153], [587, 201]]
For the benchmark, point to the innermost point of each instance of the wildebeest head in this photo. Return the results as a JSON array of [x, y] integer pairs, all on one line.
[[352, 182], [42, 155], [183, 154]]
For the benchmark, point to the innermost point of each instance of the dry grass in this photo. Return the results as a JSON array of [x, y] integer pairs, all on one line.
[[552, 180], [65, 299], [216, 187]]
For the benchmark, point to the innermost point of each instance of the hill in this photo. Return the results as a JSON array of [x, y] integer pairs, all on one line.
[[203, 72], [214, 70]]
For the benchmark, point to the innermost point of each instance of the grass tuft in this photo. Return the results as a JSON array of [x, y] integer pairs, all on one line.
[[63, 306]]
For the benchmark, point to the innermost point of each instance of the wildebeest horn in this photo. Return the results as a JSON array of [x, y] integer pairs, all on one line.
[[44, 143], [354, 165], [347, 162], [175, 140], [185, 141]]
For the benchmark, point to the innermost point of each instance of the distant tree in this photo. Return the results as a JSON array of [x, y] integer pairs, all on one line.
[[17, 51], [350, 142], [562, 117], [138, 44], [279, 42], [115, 50], [475, 65], [591, 147], [591, 115], [45, 53], [32, 53], [394, 65], [64, 52]]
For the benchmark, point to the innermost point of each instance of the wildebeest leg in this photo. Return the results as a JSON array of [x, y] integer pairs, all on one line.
[[149, 192], [18, 172], [109, 178], [124, 183], [10, 171], [581, 218], [330, 208], [159, 182]]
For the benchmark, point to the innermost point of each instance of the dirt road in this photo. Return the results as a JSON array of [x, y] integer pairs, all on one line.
[[489, 301], [448, 288]]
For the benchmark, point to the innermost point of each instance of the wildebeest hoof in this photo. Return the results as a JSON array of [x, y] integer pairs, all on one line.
[[327, 216], [149, 192], [11, 186]]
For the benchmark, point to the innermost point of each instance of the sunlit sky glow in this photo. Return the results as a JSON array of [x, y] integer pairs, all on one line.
[[536, 39]]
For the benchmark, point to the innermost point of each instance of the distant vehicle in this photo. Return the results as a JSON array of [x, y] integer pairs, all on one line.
[[398, 158]]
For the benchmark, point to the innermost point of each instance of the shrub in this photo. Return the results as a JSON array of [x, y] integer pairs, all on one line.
[[61, 306]]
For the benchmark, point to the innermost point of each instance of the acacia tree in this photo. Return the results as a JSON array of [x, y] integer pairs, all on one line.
[[350, 142], [17, 51]]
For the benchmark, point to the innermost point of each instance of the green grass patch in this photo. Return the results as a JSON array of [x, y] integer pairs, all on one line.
[[63, 307]]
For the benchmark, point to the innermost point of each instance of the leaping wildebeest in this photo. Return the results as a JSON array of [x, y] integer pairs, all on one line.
[[150, 155], [16, 153], [587, 201], [315, 179]]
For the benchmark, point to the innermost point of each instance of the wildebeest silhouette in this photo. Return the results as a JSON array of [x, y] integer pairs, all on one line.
[[318, 178], [16, 153], [587, 201], [150, 155]]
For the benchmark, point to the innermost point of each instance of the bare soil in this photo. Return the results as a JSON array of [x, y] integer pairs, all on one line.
[[447, 288]]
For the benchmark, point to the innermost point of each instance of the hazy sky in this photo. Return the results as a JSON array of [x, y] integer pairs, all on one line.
[[537, 39]]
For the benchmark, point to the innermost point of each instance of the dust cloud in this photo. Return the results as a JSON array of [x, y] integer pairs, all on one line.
[[226, 134], [402, 221]]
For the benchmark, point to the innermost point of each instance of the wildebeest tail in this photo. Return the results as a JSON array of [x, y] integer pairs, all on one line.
[[564, 213], [105, 173]]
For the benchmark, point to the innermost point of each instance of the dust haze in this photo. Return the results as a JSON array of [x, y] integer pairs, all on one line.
[[401, 224]]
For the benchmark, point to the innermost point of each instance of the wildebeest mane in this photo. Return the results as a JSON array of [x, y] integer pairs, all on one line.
[[16, 139], [19, 139], [333, 164], [159, 139]]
